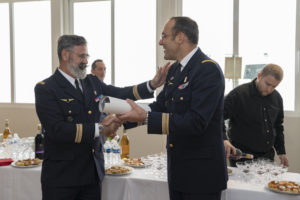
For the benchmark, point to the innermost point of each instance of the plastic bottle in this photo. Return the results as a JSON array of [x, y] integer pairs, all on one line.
[[107, 153], [116, 151], [239, 154]]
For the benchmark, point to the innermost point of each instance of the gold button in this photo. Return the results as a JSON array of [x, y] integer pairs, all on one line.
[[90, 112], [171, 145], [70, 111], [181, 98], [172, 98], [93, 150]]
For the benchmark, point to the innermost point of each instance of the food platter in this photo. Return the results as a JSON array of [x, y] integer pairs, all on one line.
[[135, 162], [284, 187], [118, 170], [28, 163]]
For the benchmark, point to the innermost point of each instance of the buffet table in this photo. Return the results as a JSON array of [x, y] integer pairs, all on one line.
[[24, 184]]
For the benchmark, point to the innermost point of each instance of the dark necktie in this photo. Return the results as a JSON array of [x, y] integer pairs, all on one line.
[[177, 70], [77, 87]]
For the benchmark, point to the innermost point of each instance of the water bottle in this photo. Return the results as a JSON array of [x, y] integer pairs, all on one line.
[[116, 155], [107, 153]]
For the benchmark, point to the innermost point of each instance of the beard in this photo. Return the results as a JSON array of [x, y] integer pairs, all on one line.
[[77, 71]]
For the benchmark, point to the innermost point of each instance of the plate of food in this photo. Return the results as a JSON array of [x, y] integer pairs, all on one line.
[[27, 163], [134, 162], [118, 170], [285, 187]]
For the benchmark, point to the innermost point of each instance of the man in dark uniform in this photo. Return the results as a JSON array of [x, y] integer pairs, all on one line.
[[255, 113], [189, 111], [67, 106]]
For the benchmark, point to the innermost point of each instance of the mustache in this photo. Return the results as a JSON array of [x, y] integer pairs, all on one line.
[[82, 66]]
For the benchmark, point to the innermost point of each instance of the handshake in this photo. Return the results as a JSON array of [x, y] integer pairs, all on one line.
[[112, 122]]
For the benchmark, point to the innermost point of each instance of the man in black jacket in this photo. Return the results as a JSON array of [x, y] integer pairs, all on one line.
[[255, 113]]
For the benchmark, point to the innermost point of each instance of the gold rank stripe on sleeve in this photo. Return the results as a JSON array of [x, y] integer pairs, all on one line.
[[78, 133], [136, 92], [204, 61], [165, 123]]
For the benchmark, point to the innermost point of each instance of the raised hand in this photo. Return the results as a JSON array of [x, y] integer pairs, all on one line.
[[228, 148], [160, 76], [136, 114]]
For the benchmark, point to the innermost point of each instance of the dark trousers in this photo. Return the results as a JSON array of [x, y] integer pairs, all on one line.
[[85, 192], [175, 195]]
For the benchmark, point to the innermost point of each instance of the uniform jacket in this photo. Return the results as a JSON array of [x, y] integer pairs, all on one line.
[[190, 111], [72, 155]]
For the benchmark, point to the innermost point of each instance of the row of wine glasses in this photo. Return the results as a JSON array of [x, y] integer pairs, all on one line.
[[260, 171]]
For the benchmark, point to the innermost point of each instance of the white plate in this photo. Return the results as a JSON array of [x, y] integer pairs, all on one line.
[[13, 164], [282, 192], [121, 174]]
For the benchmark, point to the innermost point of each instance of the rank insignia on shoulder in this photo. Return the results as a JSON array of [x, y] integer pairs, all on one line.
[[42, 83], [182, 86], [170, 83], [204, 61], [172, 78]]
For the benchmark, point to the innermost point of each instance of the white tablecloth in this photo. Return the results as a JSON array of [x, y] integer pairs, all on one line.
[[24, 184]]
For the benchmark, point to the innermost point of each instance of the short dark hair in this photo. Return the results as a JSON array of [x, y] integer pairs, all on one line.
[[187, 26], [68, 42], [94, 63]]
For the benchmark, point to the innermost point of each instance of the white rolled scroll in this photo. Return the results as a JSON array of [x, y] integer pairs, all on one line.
[[117, 106]]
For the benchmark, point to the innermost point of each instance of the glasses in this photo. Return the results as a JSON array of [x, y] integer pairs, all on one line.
[[83, 56], [164, 36]]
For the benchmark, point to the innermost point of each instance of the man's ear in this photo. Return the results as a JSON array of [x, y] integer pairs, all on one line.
[[180, 37], [258, 75], [65, 55]]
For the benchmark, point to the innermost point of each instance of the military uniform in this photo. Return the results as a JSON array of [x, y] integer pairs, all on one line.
[[189, 110], [73, 157]]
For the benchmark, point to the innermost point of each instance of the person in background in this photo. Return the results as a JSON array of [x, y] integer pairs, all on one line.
[[189, 110], [99, 69], [67, 106], [255, 113]]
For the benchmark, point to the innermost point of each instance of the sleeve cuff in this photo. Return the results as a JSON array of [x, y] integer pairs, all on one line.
[[150, 89], [97, 132]]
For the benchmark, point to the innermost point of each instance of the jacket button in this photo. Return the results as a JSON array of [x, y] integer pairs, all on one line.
[[172, 98], [93, 150], [90, 112], [181, 98], [171, 145], [70, 111]]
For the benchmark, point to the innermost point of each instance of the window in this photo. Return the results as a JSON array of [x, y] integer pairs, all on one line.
[[135, 41], [215, 28], [98, 33], [32, 34], [5, 54], [133, 54], [267, 35], [30, 40]]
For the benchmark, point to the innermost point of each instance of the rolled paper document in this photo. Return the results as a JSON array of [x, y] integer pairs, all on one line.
[[117, 106]]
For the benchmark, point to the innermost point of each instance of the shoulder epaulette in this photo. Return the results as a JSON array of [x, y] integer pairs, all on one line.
[[42, 83], [204, 61]]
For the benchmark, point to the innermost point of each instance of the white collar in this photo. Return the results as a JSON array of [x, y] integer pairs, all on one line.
[[69, 78], [187, 58]]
